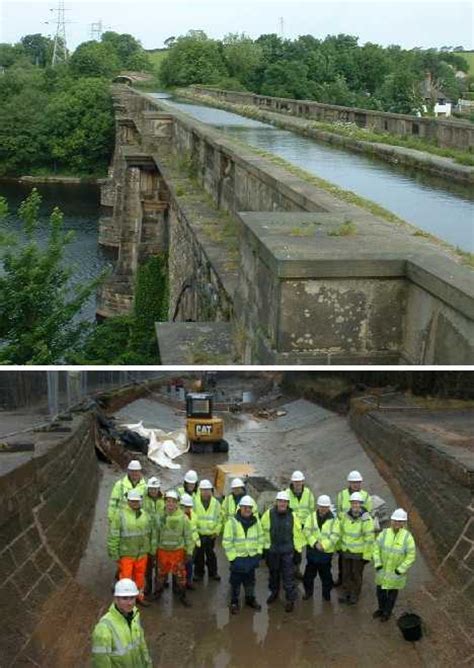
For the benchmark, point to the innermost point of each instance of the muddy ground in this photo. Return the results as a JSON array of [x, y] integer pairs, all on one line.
[[321, 444]]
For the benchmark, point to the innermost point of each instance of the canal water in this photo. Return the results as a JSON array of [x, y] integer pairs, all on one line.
[[435, 205], [80, 205]]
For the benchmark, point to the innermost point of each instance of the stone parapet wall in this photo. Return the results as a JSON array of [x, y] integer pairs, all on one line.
[[47, 500], [446, 133]]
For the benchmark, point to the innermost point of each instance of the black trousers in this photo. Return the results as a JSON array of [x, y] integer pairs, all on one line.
[[205, 555], [386, 599], [323, 569], [352, 572], [238, 579], [281, 569], [151, 574]]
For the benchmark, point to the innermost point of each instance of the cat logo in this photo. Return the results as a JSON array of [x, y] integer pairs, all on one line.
[[203, 429]]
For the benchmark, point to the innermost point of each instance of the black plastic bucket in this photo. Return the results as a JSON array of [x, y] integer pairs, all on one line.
[[410, 626]]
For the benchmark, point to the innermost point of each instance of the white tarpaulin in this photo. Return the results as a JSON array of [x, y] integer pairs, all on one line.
[[163, 446]]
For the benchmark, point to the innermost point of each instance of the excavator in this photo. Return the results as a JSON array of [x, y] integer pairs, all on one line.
[[204, 431]]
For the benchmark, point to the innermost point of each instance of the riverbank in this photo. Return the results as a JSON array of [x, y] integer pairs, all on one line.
[[397, 154], [54, 179]]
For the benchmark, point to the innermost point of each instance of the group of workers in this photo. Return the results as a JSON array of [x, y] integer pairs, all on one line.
[[154, 535]]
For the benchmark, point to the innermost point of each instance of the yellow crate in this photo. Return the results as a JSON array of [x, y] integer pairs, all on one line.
[[225, 472]]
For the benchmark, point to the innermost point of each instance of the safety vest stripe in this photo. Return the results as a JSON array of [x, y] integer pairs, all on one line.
[[121, 649]]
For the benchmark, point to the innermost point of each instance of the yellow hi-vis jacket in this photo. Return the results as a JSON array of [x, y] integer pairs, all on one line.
[[298, 537], [328, 535], [115, 644], [343, 504], [118, 496], [129, 534], [194, 532], [173, 531], [154, 506], [395, 552], [357, 535], [303, 506], [237, 543], [208, 520]]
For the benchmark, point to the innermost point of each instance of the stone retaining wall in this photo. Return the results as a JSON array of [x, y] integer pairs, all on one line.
[[437, 481], [47, 500]]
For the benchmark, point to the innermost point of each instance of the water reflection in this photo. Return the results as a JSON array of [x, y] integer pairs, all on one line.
[[80, 205]]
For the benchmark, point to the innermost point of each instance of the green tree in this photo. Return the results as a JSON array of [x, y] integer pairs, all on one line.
[[38, 305], [193, 59], [79, 126], [92, 59], [129, 51], [287, 79], [38, 48], [400, 93], [9, 54], [242, 56]]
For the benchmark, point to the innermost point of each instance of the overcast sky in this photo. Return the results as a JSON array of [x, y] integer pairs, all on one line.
[[423, 23]]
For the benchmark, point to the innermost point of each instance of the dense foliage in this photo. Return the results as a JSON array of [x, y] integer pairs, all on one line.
[[61, 119], [335, 70], [132, 339]]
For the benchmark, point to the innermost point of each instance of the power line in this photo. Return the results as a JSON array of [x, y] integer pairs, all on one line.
[[97, 30], [60, 53]]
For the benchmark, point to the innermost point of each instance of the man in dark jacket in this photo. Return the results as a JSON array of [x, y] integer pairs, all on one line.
[[282, 538]]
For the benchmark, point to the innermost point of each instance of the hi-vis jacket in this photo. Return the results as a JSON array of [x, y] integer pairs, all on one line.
[[153, 505], [357, 535], [118, 497], [343, 504], [115, 644], [328, 535], [395, 551], [303, 506], [129, 534], [173, 531], [237, 543], [208, 520]]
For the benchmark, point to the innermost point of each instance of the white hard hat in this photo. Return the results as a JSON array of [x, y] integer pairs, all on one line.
[[187, 500], [399, 515], [134, 495], [282, 496], [354, 476], [356, 496], [324, 500], [297, 476], [191, 477], [134, 465], [205, 484], [237, 482], [247, 501], [125, 587], [153, 483], [171, 494]]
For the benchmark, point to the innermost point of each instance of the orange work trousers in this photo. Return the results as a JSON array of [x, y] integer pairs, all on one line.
[[171, 561], [134, 569]]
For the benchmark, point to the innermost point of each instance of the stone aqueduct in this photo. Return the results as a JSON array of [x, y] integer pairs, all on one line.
[[258, 269]]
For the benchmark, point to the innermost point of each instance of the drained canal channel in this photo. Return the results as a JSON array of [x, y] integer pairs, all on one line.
[[49, 622]]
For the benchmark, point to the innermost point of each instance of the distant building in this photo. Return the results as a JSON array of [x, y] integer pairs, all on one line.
[[435, 99]]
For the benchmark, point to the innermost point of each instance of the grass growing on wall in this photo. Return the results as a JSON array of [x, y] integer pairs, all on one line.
[[342, 129]]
